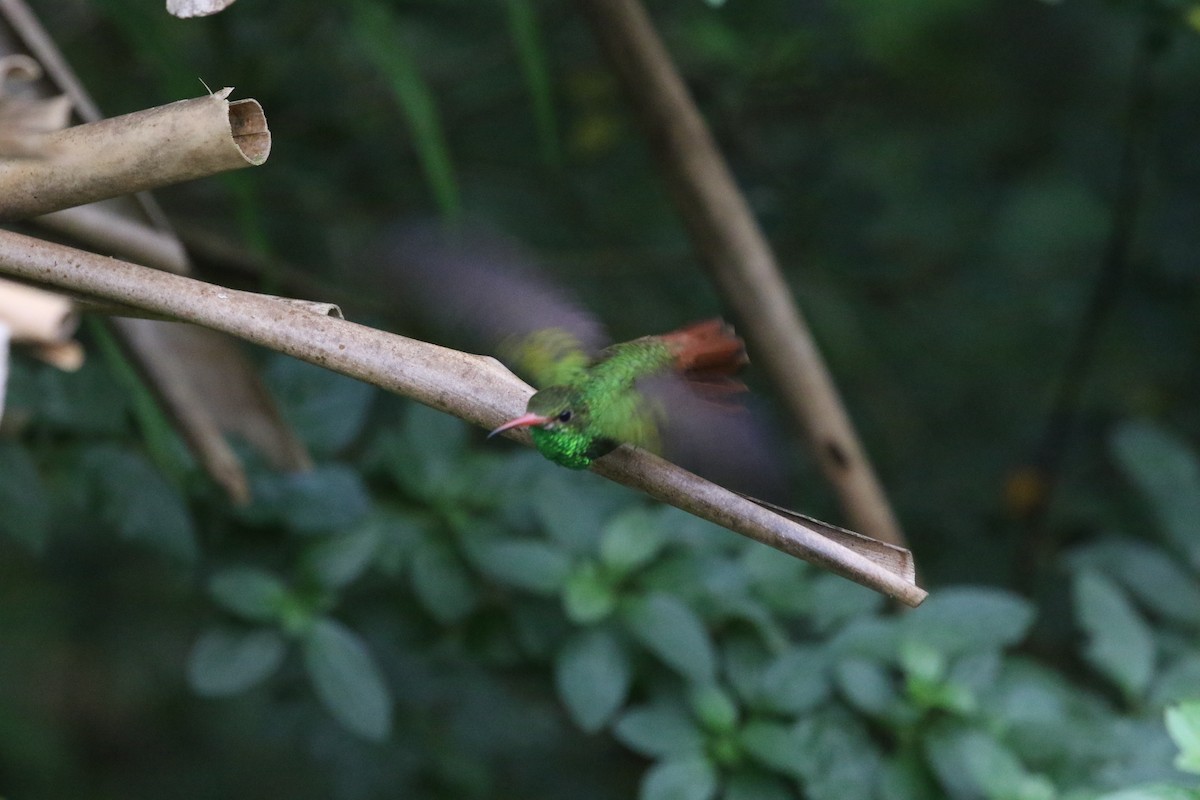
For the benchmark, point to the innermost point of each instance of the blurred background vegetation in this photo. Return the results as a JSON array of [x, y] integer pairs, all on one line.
[[987, 208]]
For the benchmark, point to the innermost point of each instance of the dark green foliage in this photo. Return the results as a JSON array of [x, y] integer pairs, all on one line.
[[429, 616]]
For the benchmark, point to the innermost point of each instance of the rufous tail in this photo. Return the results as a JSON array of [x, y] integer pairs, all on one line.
[[708, 352]]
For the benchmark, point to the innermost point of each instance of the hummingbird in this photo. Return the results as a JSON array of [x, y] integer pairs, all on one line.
[[587, 406], [673, 393]]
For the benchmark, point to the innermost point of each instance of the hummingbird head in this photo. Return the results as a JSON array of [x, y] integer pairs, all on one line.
[[550, 409], [558, 421]]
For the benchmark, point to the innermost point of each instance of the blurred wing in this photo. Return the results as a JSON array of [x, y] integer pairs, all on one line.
[[485, 285], [548, 357], [718, 437]]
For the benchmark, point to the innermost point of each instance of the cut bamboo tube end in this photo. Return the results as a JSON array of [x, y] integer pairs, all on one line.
[[160, 146]]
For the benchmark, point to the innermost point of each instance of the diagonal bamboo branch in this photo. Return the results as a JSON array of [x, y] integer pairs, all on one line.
[[739, 258], [475, 388]]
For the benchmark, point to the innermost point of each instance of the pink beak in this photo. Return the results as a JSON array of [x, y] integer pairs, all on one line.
[[523, 421]]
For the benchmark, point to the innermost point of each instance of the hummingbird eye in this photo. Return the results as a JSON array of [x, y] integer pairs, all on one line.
[[565, 416]]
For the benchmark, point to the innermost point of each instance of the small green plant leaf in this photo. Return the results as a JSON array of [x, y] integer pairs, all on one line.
[[589, 595], [823, 740], [755, 785], [441, 582], [961, 620], [534, 566], [971, 761], [592, 673], [835, 601], [250, 593], [347, 680], [1167, 472], [339, 560], [866, 686], [1153, 577], [328, 497], [225, 662], [1154, 792], [663, 729], [670, 629], [1120, 644], [1183, 723], [138, 502], [773, 745], [795, 682], [326, 409], [714, 707], [631, 540], [683, 779]]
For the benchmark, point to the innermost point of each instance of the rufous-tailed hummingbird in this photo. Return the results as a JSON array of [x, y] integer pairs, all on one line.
[[660, 392], [587, 406]]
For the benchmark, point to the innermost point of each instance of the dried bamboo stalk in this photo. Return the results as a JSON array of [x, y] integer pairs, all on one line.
[[108, 230], [475, 388], [156, 147], [739, 258]]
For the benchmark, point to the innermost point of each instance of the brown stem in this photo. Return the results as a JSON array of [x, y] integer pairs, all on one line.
[[475, 388], [728, 240]]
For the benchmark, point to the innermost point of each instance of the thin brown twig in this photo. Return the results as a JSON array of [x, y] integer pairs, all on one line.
[[475, 388], [740, 260]]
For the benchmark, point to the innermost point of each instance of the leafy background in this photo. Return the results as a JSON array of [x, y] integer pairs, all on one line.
[[987, 209]]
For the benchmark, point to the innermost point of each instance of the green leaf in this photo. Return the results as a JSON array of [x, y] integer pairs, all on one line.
[[326, 409], [347, 680], [755, 785], [381, 38], [795, 682], [531, 565], [671, 630], [661, 730], [589, 595], [225, 662], [327, 498], [339, 560], [1120, 643], [441, 582], [1167, 472], [136, 500], [26, 508], [570, 513], [866, 686], [1154, 792], [250, 593], [592, 673], [522, 22], [714, 708], [970, 761], [773, 745], [685, 779], [835, 601], [1183, 723], [1158, 581], [835, 757], [631, 540], [956, 621]]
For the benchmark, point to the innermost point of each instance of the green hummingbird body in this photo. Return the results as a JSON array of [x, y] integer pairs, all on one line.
[[587, 407]]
